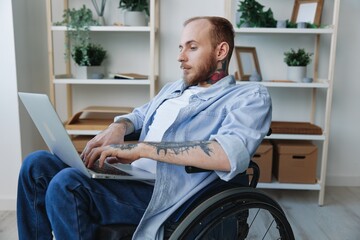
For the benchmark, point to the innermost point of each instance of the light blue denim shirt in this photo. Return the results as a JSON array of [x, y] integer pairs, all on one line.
[[236, 116]]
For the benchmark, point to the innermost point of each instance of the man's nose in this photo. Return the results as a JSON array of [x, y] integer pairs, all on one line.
[[182, 57]]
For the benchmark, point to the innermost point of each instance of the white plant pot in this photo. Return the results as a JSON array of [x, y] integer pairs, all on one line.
[[134, 18], [92, 72], [296, 73]]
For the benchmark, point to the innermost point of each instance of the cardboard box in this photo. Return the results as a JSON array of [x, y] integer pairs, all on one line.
[[295, 161], [263, 157]]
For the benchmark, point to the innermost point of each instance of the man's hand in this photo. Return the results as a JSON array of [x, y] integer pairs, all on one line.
[[123, 153], [114, 134]]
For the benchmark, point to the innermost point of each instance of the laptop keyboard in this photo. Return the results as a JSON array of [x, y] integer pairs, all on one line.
[[108, 169]]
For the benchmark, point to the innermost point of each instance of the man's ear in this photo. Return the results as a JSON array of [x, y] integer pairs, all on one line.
[[222, 51]]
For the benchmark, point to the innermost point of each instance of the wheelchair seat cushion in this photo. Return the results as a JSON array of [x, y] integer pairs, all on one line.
[[116, 232]]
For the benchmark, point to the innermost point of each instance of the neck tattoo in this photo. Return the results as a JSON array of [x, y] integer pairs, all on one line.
[[219, 74]]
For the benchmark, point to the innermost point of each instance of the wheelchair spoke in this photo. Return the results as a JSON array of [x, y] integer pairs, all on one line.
[[236, 214], [254, 218], [268, 228]]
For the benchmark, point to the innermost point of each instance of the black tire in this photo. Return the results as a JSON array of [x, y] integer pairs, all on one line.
[[256, 215]]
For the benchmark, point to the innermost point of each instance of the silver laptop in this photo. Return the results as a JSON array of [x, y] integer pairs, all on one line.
[[58, 141]]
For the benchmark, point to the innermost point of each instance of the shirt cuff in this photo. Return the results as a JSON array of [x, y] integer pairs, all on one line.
[[237, 154]]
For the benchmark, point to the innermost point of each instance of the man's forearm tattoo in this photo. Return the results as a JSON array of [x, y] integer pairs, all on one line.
[[180, 147], [129, 146]]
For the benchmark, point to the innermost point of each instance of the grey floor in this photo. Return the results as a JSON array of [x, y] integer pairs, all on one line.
[[339, 218]]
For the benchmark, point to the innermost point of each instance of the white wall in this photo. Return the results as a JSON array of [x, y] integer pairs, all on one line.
[[344, 150], [23, 62], [30, 37], [31, 63], [10, 145]]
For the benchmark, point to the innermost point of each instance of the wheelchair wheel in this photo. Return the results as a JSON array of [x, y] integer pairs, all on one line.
[[239, 213]]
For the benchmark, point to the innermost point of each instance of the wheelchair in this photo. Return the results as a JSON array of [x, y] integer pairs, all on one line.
[[222, 210]]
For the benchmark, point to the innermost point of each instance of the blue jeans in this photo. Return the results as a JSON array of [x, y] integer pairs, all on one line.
[[55, 198]]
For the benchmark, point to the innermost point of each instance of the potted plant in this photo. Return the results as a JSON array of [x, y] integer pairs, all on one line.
[[253, 15], [297, 62], [87, 56], [88, 59], [78, 22], [135, 12]]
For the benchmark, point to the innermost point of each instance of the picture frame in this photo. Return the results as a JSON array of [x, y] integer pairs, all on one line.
[[308, 11], [247, 62]]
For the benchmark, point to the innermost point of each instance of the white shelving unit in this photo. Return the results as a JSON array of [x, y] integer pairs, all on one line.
[[65, 79], [101, 82], [319, 84]]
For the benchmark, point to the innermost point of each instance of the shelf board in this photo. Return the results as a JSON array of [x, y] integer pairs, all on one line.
[[318, 84], [101, 81], [296, 186], [108, 28], [83, 132], [297, 137], [327, 30]]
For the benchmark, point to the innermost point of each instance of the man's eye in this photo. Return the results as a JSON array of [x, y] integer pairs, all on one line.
[[193, 47]]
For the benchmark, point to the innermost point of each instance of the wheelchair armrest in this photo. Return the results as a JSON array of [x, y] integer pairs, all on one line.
[[255, 174], [190, 169], [134, 136]]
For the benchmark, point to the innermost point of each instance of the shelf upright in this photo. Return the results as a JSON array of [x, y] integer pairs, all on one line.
[[335, 23]]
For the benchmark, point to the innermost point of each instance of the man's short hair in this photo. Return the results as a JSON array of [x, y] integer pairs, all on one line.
[[222, 31]]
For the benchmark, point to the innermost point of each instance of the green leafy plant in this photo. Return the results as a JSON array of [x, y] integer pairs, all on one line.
[[297, 58], [135, 5], [91, 55], [78, 23], [308, 25], [291, 24], [253, 14]]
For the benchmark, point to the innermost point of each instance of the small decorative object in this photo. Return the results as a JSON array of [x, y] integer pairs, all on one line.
[[89, 61], [253, 14], [307, 80], [297, 62], [308, 11], [281, 23], [301, 25], [255, 77], [136, 11], [100, 11], [247, 62]]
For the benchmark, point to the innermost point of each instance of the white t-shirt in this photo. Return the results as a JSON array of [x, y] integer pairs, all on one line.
[[164, 117]]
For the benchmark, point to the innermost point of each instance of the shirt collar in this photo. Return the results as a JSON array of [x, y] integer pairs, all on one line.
[[209, 92]]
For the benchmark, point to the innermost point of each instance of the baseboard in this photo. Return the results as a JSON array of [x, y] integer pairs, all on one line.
[[343, 181], [7, 204]]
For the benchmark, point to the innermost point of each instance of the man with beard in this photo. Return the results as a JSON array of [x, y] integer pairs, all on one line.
[[203, 120]]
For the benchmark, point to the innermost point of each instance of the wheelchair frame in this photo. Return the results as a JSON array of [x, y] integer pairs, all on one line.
[[242, 198], [234, 199]]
